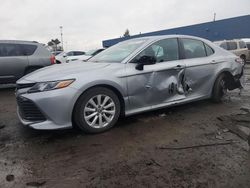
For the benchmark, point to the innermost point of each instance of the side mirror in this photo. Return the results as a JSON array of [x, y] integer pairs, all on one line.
[[64, 55], [145, 60]]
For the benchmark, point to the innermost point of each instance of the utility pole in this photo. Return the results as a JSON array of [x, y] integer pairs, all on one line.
[[214, 17], [61, 30]]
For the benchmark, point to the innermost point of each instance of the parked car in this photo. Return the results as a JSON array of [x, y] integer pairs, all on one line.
[[130, 77], [247, 41], [86, 56], [18, 58], [238, 47], [62, 57], [248, 47]]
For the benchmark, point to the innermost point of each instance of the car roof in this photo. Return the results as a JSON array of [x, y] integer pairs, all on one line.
[[158, 37], [19, 42]]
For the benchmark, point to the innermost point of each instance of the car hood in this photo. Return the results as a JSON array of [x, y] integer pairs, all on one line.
[[62, 71]]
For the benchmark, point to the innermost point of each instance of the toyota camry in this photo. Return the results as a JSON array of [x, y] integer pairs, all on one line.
[[130, 77]]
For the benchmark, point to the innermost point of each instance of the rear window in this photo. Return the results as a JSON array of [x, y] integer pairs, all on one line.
[[232, 45], [242, 44], [9, 50], [27, 49]]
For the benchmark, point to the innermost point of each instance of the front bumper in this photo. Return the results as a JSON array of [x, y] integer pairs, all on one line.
[[55, 106]]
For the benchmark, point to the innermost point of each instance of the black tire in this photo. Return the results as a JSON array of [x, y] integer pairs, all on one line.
[[79, 113], [219, 88]]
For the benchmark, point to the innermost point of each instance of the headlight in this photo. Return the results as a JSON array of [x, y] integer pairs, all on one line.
[[47, 86]]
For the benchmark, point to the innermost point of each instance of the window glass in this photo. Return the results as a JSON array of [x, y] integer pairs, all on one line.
[[224, 45], [7, 50], [97, 52], [118, 52], [78, 53], [161, 51], [193, 48], [232, 45], [209, 50], [242, 44], [16, 49], [26, 49], [70, 54]]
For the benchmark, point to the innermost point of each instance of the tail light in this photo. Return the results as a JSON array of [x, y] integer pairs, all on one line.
[[239, 60], [52, 59]]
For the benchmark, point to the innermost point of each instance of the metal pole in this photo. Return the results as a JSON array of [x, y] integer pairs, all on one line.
[[61, 30], [214, 17]]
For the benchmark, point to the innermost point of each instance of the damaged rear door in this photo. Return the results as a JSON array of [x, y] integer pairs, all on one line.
[[159, 83], [200, 67]]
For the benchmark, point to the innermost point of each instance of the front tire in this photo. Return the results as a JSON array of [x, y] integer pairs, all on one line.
[[220, 88], [97, 110]]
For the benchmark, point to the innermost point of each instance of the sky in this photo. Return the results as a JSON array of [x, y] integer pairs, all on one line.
[[87, 22]]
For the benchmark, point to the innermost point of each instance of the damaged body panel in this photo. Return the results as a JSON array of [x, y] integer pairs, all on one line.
[[161, 84], [144, 74]]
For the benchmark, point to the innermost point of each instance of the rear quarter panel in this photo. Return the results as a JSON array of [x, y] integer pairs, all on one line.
[[40, 58]]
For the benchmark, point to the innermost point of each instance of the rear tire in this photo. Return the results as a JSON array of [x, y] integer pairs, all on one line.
[[220, 88], [97, 110]]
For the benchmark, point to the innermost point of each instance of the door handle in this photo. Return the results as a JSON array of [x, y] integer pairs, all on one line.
[[213, 62], [178, 67]]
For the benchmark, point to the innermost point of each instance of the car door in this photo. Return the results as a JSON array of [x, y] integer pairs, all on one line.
[[159, 83], [12, 63], [200, 67]]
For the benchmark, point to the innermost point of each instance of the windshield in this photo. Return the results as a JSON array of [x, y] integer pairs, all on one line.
[[90, 52], [118, 52]]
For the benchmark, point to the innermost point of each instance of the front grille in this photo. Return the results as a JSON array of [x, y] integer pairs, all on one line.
[[28, 110], [22, 86]]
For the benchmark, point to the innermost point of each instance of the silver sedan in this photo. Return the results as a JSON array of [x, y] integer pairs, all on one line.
[[130, 77]]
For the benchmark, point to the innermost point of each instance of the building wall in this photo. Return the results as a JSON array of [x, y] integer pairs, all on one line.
[[232, 28]]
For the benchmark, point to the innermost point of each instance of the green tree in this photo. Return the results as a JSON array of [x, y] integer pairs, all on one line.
[[126, 34]]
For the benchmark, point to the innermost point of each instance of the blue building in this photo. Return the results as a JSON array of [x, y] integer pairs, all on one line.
[[232, 28]]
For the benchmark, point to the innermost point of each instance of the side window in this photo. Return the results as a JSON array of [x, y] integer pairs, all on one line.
[[209, 50], [7, 50], [26, 49], [224, 45], [193, 48], [79, 53], [232, 45], [242, 44], [161, 51], [70, 54]]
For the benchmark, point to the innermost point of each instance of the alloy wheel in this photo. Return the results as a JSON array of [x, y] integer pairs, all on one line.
[[99, 111]]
